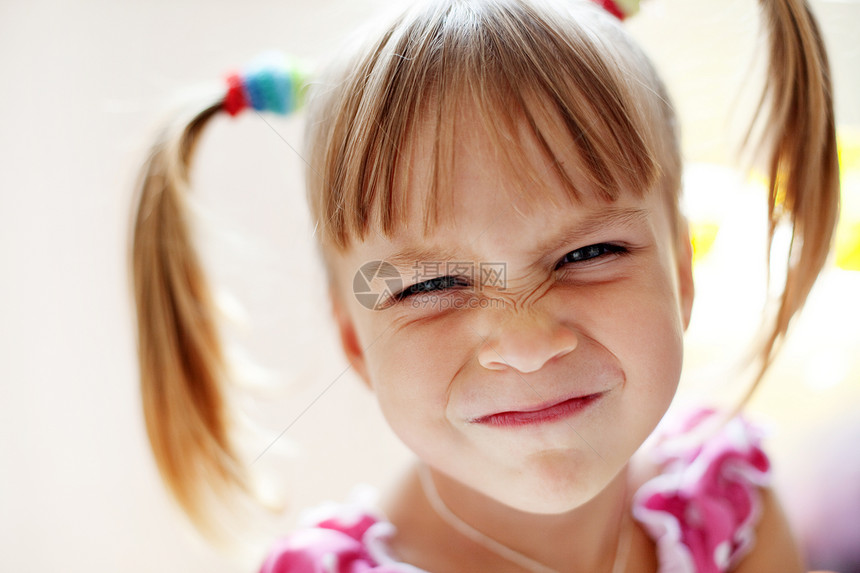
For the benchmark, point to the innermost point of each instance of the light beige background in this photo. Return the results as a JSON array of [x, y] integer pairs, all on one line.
[[84, 84]]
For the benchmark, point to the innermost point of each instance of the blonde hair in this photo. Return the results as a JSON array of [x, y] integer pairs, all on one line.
[[511, 60], [798, 130]]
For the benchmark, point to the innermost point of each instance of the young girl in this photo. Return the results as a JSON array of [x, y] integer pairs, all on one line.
[[495, 189]]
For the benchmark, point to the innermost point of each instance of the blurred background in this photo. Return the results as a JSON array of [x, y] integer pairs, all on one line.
[[88, 82]]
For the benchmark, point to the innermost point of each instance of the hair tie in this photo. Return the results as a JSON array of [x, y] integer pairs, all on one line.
[[270, 83], [621, 9]]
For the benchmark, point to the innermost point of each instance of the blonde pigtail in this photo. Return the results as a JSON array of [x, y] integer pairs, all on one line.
[[798, 130], [183, 369], [181, 358]]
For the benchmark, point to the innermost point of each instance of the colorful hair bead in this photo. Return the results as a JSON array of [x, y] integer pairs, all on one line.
[[270, 83], [621, 9], [235, 99]]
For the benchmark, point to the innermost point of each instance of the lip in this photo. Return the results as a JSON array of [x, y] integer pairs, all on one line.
[[541, 414]]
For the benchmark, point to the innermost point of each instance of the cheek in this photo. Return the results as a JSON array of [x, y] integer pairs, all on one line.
[[638, 321], [413, 370], [412, 366]]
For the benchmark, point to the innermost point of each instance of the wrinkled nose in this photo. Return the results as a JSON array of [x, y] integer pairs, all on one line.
[[526, 345]]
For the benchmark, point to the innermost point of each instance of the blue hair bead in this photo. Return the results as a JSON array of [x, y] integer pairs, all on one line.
[[280, 91], [254, 91], [266, 81]]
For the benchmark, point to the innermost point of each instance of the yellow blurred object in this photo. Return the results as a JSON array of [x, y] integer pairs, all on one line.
[[847, 240], [705, 227], [847, 245], [848, 146], [702, 236]]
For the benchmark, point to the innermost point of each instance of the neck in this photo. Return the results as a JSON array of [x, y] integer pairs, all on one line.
[[583, 539]]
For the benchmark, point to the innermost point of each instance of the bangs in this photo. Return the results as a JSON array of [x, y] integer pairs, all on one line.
[[565, 79]]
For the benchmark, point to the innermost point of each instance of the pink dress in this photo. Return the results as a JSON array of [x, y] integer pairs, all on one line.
[[701, 510]]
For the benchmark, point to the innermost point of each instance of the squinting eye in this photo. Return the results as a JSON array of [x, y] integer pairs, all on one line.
[[589, 253], [431, 285]]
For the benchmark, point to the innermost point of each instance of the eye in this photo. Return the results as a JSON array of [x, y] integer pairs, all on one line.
[[431, 285], [590, 253]]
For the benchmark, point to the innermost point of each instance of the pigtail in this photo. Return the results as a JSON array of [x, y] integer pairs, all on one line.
[[183, 369], [798, 132], [181, 357]]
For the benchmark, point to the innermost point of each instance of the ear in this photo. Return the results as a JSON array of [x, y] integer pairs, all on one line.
[[686, 288], [349, 341]]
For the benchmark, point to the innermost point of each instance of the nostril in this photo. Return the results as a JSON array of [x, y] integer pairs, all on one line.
[[561, 354], [490, 358], [566, 341]]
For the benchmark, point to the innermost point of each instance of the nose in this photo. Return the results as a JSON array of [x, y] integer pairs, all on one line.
[[526, 344]]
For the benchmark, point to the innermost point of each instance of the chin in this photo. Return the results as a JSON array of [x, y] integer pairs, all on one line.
[[556, 483]]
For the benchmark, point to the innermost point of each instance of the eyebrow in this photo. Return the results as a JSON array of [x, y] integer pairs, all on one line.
[[611, 217], [413, 256]]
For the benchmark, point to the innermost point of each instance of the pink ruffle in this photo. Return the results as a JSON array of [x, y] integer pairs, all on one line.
[[347, 538], [702, 509]]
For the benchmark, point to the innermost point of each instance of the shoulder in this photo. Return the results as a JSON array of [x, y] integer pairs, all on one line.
[[775, 549], [709, 506]]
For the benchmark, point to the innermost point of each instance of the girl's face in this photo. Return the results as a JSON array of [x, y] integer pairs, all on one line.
[[542, 341]]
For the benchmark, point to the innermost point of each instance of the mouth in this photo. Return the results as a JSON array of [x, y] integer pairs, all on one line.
[[541, 414]]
